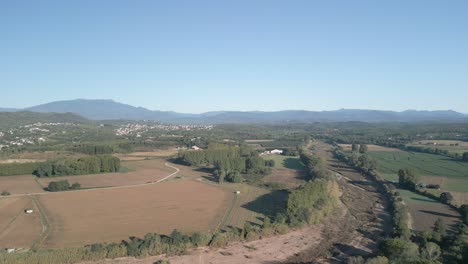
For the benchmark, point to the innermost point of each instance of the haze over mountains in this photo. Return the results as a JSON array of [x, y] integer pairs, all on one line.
[[111, 110]]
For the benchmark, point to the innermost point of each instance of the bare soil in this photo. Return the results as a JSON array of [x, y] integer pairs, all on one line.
[[18, 229], [145, 171], [424, 215], [86, 217], [20, 184], [347, 147], [289, 177], [275, 249]]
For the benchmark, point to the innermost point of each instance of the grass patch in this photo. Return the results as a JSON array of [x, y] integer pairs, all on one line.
[[287, 162], [411, 197], [125, 169]]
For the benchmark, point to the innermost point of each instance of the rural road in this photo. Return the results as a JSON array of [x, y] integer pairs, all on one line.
[[106, 188]]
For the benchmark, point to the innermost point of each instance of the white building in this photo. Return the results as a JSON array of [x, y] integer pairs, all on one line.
[[276, 151]]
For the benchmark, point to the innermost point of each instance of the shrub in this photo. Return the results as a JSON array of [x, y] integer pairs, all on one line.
[[57, 186], [446, 197]]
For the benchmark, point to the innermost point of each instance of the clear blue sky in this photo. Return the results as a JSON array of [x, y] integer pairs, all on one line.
[[196, 56]]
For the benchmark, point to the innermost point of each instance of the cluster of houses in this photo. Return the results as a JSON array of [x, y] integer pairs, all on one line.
[[36, 134], [137, 129]]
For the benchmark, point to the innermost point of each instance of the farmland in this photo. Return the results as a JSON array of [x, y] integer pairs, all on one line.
[[21, 184], [142, 171], [452, 146], [347, 147], [188, 202], [451, 174], [425, 211], [288, 171], [80, 218], [18, 229]]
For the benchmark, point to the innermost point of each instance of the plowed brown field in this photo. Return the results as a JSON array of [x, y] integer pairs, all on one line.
[[85, 217]]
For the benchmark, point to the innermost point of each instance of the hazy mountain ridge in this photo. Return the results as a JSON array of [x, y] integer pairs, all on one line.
[[111, 110]]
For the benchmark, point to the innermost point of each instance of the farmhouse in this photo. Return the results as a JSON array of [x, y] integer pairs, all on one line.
[[196, 148], [276, 151]]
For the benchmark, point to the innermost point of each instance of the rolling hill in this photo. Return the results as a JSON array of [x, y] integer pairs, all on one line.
[[10, 119]]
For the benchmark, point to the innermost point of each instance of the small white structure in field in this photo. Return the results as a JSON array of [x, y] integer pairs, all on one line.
[[276, 151], [10, 250], [237, 192], [29, 211], [195, 148]]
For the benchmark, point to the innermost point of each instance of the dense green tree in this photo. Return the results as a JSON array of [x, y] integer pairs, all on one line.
[[408, 179], [84, 165], [464, 212], [270, 163], [465, 156], [377, 260], [446, 197], [431, 252], [400, 250], [438, 230], [354, 147], [57, 186], [363, 148]]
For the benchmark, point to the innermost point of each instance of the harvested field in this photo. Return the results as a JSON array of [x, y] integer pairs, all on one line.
[[192, 172], [19, 184], [289, 178], [453, 146], [85, 217], [20, 161], [258, 140], [141, 155], [143, 172], [425, 211], [347, 147], [18, 229], [42, 156], [287, 171], [252, 204], [460, 197]]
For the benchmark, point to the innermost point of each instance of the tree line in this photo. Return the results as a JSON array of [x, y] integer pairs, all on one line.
[[228, 163], [71, 166]]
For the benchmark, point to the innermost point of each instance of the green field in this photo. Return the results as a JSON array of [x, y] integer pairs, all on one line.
[[423, 163], [285, 162], [452, 146], [455, 172], [412, 197]]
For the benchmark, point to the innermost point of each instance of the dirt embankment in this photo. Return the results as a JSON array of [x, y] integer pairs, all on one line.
[[367, 221]]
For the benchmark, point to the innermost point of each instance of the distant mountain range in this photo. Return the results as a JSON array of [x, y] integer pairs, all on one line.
[[111, 110]]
